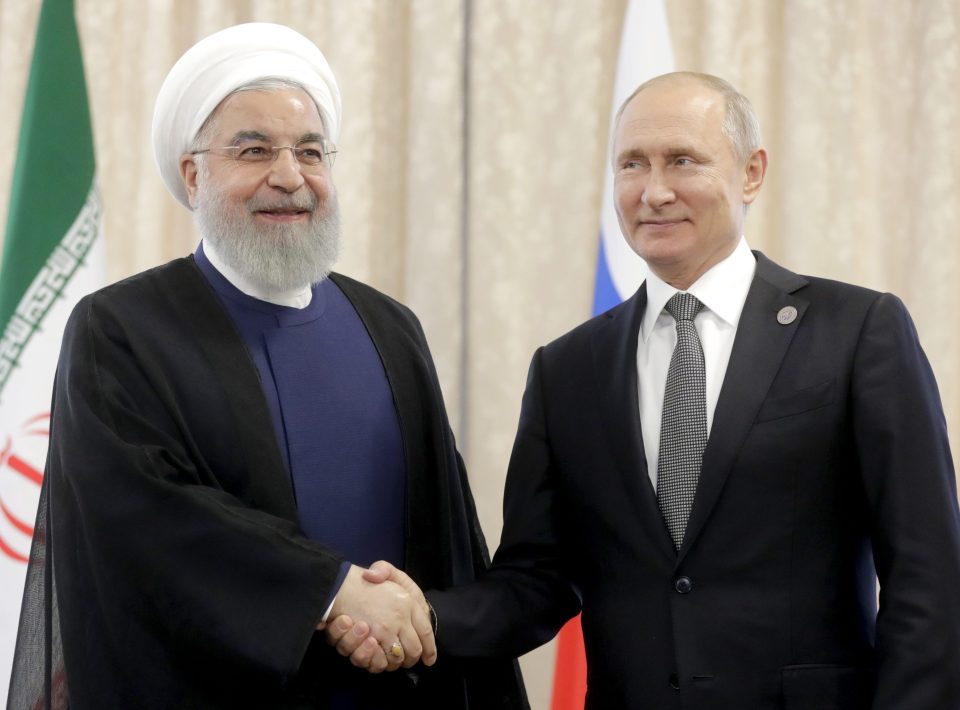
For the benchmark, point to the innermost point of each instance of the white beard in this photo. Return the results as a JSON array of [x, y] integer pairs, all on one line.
[[276, 257]]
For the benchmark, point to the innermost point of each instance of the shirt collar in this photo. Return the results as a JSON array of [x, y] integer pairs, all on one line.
[[722, 290], [294, 298]]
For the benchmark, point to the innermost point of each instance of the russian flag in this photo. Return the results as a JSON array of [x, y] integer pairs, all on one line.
[[645, 52]]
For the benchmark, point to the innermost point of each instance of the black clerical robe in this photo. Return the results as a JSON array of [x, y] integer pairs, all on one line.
[[180, 577]]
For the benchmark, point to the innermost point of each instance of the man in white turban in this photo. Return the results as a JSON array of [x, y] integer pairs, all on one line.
[[237, 434]]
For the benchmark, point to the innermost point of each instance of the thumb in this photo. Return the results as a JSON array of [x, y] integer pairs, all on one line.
[[379, 571]]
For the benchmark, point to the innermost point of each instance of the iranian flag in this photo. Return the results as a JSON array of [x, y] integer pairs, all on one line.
[[645, 52], [52, 255]]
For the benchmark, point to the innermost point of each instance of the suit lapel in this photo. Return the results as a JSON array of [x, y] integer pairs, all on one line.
[[758, 350], [615, 369]]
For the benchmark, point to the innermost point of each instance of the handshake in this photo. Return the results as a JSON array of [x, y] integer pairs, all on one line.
[[381, 620]]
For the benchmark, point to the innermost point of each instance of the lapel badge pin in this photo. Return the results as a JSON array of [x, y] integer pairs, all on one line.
[[787, 315]]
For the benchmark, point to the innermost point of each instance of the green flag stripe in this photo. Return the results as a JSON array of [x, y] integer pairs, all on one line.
[[48, 285], [55, 166]]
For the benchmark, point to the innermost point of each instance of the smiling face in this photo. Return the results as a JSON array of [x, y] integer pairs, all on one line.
[[680, 190], [275, 222]]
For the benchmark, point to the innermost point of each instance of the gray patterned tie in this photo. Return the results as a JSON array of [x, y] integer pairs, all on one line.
[[683, 431]]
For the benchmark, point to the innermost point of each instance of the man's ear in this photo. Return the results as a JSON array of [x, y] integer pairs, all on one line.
[[188, 173], [753, 174]]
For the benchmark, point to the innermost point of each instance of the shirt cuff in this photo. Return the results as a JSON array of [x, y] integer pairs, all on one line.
[[341, 575]]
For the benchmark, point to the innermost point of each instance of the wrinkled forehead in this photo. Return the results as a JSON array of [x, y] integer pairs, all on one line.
[[672, 116], [676, 102], [287, 114]]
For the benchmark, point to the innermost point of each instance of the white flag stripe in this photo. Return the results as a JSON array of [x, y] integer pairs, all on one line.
[[75, 268], [48, 287], [645, 52]]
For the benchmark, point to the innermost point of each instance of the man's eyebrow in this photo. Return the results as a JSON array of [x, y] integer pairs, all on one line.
[[629, 153], [671, 151], [311, 138], [690, 150], [248, 136]]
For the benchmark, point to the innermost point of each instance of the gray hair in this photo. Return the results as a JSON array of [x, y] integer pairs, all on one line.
[[740, 123]]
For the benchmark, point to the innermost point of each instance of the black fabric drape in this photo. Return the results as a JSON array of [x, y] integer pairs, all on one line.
[[167, 546]]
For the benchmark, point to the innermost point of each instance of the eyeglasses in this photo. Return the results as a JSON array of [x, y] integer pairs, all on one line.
[[309, 155]]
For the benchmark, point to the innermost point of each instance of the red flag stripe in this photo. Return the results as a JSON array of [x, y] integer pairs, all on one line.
[[570, 677], [25, 469], [10, 552], [37, 418], [37, 425], [15, 521]]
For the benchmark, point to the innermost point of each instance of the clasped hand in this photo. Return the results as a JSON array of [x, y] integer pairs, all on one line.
[[381, 620]]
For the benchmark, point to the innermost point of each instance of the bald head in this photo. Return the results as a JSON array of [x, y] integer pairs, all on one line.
[[740, 123]]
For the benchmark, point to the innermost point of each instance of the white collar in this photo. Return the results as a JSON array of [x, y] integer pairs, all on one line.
[[722, 290]]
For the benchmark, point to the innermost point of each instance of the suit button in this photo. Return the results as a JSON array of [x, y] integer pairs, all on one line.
[[674, 681], [683, 585]]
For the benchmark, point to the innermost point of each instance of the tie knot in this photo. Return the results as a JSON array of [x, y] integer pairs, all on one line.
[[683, 306]]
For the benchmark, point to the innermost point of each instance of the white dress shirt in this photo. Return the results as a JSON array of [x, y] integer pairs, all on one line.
[[722, 290]]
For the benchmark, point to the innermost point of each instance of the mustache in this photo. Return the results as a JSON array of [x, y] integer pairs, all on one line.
[[302, 203]]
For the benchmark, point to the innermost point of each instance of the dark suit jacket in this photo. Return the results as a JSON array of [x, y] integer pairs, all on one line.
[[827, 460]]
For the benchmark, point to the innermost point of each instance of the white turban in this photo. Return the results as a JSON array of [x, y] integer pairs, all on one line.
[[217, 65]]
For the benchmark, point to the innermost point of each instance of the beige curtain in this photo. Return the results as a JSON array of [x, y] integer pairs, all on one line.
[[474, 148]]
